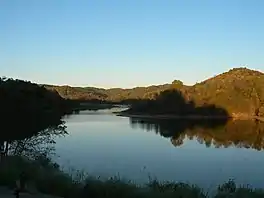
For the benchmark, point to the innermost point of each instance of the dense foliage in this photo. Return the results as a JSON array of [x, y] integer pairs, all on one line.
[[173, 102], [239, 91], [28, 108]]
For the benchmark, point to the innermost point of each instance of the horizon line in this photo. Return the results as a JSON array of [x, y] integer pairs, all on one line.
[[130, 87]]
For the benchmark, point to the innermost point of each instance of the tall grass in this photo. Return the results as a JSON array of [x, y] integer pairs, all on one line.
[[46, 177]]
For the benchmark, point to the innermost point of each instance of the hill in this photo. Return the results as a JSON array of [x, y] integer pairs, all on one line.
[[78, 93], [109, 95], [239, 91], [27, 108]]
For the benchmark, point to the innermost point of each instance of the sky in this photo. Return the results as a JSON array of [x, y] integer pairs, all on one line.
[[128, 43]]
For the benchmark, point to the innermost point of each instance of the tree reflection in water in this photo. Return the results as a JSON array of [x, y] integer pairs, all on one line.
[[217, 133]]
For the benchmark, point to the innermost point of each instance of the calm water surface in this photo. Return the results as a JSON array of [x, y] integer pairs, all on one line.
[[104, 144]]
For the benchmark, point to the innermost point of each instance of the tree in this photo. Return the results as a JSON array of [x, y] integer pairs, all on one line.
[[27, 109], [177, 84]]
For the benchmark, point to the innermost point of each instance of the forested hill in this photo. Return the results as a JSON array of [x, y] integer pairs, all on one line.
[[240, 91], [28, 108], [78, 93], [113, 94]]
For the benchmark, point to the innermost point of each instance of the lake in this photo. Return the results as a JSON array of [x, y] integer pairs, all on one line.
[[205, 154]]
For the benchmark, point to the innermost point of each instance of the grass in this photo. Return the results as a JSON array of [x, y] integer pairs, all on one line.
[[46, 177]]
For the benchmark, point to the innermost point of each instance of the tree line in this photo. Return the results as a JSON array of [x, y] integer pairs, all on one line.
[[27, 109]]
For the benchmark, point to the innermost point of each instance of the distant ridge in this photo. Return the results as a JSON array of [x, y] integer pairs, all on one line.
[[240, 91]]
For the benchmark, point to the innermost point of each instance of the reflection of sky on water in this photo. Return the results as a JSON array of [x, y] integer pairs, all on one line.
[[107, 145]]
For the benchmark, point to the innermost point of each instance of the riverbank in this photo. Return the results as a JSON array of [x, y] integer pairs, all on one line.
[[191, 117], [166, 116], [47, 178], [96, 106]]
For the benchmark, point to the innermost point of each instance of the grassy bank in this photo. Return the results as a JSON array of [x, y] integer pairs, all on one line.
[[45, 177]]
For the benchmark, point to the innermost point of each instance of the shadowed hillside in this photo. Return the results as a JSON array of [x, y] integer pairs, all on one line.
[[173, 102], [28, 108]]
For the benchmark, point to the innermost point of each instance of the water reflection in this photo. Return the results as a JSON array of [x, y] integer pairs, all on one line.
[[241, 134]]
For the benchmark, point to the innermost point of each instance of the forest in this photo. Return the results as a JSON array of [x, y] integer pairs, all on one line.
[[28, 109]]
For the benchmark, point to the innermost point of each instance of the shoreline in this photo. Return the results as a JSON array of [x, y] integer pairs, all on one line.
[[50, 181], [191, 117]]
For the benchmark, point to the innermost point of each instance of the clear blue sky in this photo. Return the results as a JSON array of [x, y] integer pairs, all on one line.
[[126, 43]]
